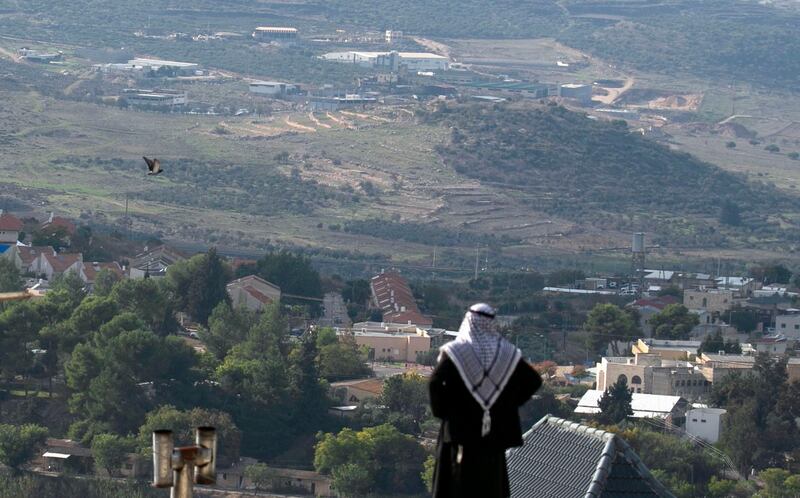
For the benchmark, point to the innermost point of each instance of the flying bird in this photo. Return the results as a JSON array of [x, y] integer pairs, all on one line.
[[153, 165]]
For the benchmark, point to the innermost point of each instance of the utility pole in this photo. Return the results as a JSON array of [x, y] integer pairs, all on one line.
[[127, 219], [434, 256], [477, 258]]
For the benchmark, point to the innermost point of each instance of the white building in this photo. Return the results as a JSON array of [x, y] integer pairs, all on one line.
[[253, 292], [669, 408], [156, 99], [268, 33], [576, 91], [10, 227], [156, 64], [773, 345], [788, 326], [271, 87], [414, 61], [705, 423]]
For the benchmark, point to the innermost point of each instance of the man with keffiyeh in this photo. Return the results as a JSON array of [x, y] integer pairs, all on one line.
[[476, 389]]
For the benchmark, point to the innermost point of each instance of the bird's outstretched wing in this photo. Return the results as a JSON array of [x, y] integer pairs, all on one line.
[[154, 165]]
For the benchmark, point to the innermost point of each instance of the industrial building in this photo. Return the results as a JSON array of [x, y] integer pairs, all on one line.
[[271, 33], [521, 88], [142, 65], [336, 103], [413, 61], [43, 57], [272, 88], [154, 98], [575, 91]]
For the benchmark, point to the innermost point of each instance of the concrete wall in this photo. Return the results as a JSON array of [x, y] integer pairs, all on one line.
[[389, 347], [789, 326], [8, 236], [713, 301], [705, 423]]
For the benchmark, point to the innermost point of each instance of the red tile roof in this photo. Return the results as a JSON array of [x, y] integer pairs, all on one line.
[[29, 254], [393, 296], [660, 302], [258, 295], [9, 222], [62, 262], [91, 270], [60, 222]]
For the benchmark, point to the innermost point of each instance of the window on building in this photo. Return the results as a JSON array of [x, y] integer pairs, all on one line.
[[783, 325], [677, 383], [705, 302], [797, 326], [694, 420], [702, 421], [622, 378], [636, 380]]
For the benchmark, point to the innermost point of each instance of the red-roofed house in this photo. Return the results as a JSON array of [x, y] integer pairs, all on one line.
[[26, 258], [392, 295], [89, 271], [253, 292], [774, 345], [649, 306], [52, 264], [10, 226], [55, 222]]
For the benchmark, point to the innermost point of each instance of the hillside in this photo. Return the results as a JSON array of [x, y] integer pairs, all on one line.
[[719, 39], [599, 173]]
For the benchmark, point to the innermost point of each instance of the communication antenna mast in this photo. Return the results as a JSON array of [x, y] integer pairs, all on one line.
[[638, 259]]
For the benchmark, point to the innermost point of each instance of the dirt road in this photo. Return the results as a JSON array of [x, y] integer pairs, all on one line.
[[614, 93]]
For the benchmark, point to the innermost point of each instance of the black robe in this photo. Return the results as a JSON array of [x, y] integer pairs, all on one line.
[[480, 472]]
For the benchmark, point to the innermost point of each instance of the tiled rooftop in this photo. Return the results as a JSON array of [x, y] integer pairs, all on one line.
[[562, 459]]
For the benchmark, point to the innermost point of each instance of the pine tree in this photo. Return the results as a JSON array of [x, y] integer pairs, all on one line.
[[615, 405]]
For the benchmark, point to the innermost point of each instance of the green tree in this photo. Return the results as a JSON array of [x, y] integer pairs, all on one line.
[[673, 322], [10, 280], [55, 237], [564, 277], [615, 405], [111, 382], [198, 284], [292, 273], [342, 360], [351, 480], [182, 423], [18, 443], [607, 323], [261, 475], [110, 452], [105, 281], [744, 320], [227, 327], [774, 483], [148, 299], [427, 474], [258, 368], [713, 343], [730, 214], [772, 274], [407, 394], [309, 392], [393, 461]]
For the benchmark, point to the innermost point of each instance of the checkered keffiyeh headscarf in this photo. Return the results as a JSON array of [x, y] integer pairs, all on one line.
[[484, 360]]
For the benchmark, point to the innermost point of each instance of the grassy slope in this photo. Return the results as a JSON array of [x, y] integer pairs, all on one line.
[[599, 173]]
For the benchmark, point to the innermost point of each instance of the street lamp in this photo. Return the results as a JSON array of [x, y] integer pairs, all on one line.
[[178, 468]]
